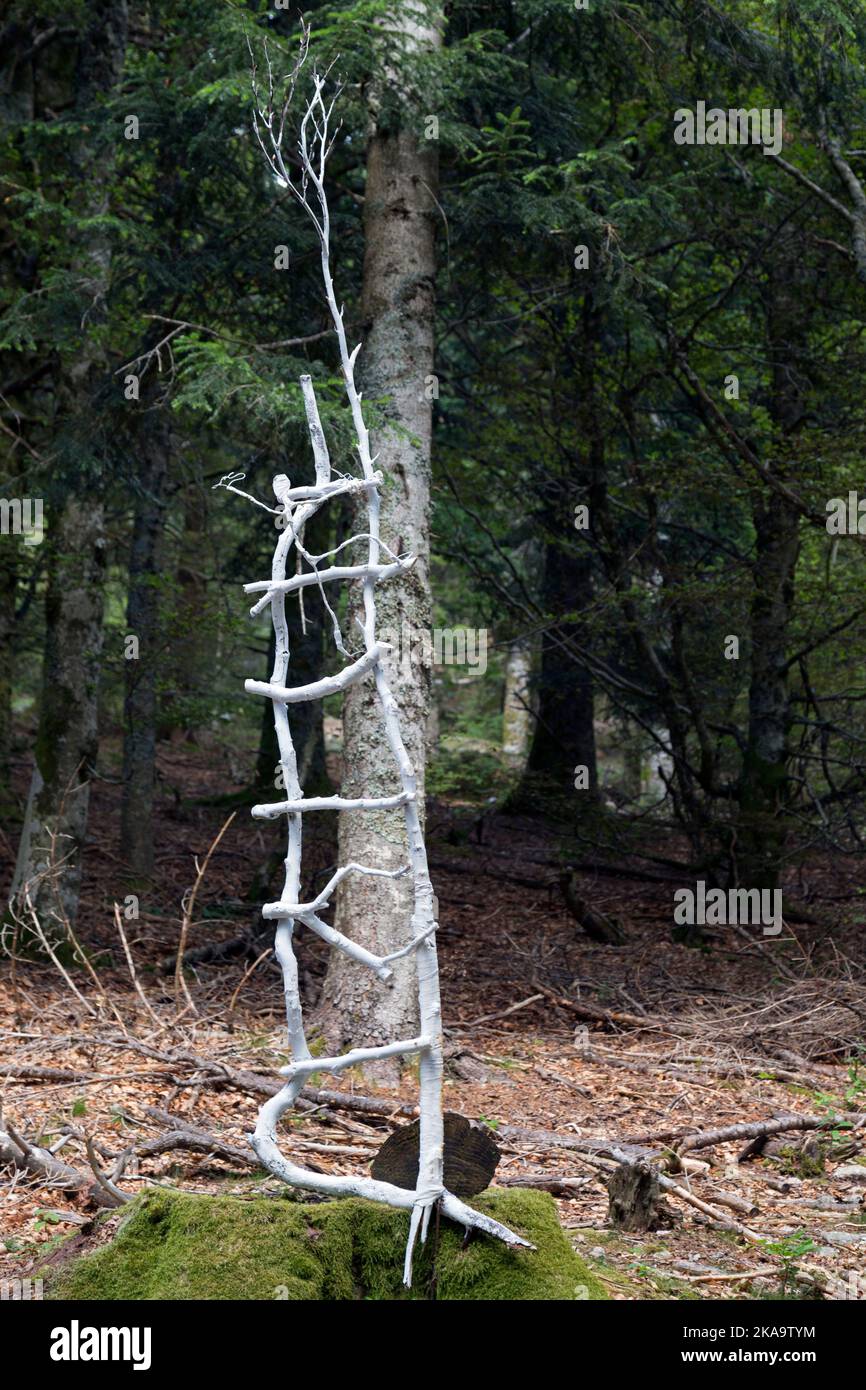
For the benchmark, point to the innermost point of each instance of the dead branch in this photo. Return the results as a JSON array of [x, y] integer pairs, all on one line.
[[23, 1156], [596, 1014], [759, 1129], [188, 906], [113, 1195], [131, 964]]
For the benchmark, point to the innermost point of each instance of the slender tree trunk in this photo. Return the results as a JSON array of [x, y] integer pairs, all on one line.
[[8, 591], [762, 826], [189, 656], [143, 625], [398, 307], [49, 859], [66, 744], [564, 737], [23, 378], [517, 702]]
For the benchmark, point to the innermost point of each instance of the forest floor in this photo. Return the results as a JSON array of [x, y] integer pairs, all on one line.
[[576, 1054]]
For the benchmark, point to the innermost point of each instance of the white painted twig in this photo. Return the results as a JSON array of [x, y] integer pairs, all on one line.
[[319, 577], [318, 690], [317, 434], [355, 1058], [380, 965], [284, 909], [326, 491], [335, 572], [353, 540]]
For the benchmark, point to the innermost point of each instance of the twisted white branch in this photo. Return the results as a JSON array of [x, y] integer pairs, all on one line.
[[298, 505]]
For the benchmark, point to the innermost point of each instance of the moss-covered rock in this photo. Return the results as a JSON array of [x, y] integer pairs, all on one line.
[[178, 1246]]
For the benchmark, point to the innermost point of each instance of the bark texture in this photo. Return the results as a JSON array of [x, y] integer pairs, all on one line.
[[67, 741], [764, 784], [142, 622], [398, 310], [516, 702]]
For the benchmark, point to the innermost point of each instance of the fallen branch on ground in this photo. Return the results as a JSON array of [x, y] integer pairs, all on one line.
[[596, 1014], [762, 1129], [18, 1153]]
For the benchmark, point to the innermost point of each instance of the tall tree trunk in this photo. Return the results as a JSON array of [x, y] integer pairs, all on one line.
[[66, 743], [49, 858], [189, 657], [564, 737], [143, 624], [22, 376], [762, 828], [398, 306], [762, 825], [8, 591]]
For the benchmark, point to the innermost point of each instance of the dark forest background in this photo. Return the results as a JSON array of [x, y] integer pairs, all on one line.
[[564, 379], [637, 402]]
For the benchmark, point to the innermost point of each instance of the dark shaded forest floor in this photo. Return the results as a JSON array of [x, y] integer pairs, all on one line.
[[573, 1052]]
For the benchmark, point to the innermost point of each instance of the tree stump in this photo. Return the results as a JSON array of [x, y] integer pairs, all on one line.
[[635, 1198], [471, 1156]]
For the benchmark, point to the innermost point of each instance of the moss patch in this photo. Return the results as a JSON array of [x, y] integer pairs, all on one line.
[[175, 1246]]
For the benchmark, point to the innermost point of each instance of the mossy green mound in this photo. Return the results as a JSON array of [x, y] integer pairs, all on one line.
[[177, 1246]]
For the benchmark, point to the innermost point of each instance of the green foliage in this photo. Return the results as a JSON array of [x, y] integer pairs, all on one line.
[[560, 385], [461, 773]]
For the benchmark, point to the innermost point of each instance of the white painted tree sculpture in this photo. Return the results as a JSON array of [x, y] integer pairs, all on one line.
[[297, 505]]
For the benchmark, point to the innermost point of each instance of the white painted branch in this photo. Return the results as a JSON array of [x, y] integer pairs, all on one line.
[[269, 810], [356, 1057], [380, 965], [317, 434], [326, 491], [319, 577], [299, 504], [302, 581], [318, 690], [412, 946], [352, 540], [346, 1185], [283, 909]]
